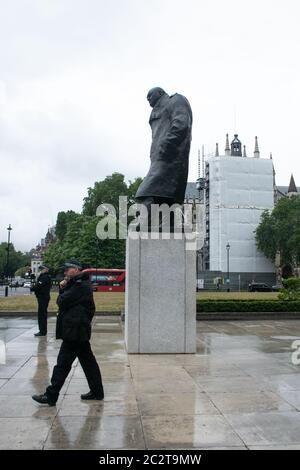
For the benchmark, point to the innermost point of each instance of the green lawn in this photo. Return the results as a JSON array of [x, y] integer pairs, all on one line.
[[114, 301], [237, 295], [105, 302]]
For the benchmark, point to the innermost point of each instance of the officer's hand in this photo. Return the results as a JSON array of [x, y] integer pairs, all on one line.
[[63, 283]]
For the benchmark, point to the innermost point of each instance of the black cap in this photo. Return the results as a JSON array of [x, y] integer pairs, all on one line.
[[43, 266], [72, 263]]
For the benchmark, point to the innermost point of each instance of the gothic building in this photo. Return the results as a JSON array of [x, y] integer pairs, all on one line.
[[39, 250], [233, 191]]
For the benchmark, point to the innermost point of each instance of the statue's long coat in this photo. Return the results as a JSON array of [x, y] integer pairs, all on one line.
[[171, 123]]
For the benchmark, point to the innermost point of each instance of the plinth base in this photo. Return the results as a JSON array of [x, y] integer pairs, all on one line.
[[160, 305]]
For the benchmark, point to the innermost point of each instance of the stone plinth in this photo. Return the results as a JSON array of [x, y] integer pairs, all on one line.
[[160, 305]]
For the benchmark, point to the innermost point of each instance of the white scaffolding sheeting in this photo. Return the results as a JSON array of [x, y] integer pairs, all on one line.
[[240, 189]]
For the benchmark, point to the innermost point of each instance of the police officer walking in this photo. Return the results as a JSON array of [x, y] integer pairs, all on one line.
[[76, 310], [42, 292]]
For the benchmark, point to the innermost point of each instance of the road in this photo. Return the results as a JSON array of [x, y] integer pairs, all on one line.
[[15, 291]]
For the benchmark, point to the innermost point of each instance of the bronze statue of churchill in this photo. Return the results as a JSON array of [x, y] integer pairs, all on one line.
[[171, 123]]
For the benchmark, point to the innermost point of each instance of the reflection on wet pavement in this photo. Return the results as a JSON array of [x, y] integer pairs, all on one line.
[[240, 391]]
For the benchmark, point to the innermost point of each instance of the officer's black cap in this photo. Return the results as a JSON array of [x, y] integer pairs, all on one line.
[[72, 263]]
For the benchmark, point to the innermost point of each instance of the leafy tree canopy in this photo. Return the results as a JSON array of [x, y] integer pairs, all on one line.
[[62, 222], [108, 191], [17, 260], [76, 233], [279, 231], [81, 242]]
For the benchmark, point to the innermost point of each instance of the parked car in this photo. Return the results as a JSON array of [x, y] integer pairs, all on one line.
[[27, 284], [259, 287], [20, 281], [14, 284], [277, 288]]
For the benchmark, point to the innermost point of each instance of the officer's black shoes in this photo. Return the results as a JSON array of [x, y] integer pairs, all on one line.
[[91, 396], [39, 334], [43, 400]]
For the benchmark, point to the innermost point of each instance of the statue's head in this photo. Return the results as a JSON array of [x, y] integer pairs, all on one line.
[[154, 95]]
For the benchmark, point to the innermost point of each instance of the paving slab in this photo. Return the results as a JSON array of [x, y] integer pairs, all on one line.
[[239, 391]]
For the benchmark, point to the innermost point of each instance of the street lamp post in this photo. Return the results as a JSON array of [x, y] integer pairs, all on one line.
[[197, 270], [7, 260], [228, 279]]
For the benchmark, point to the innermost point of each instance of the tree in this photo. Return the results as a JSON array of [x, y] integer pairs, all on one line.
[[132, 189], [81, 242], [106, 191], [17, 260], [22, 271], [62, 222], [291, 289], [76, 233], [267, 236], [279, 231]]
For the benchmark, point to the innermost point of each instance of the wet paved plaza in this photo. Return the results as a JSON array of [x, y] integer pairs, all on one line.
[[240, 391]]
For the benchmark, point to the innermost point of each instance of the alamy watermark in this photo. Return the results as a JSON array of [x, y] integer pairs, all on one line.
[[158, 221], [296, 353], [2, 352]]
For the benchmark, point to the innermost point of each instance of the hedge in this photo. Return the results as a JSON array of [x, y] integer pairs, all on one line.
[[247, 306], [235, 300]]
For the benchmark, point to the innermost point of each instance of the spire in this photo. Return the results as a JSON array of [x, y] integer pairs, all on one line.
[[227, 148], [256, 150], [199, 164], [236, 147], [292, 187], [245, 153], [217, 151], [274, 172]]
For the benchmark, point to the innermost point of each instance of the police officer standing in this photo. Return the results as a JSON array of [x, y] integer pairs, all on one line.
[[76, 310], [42, 292]]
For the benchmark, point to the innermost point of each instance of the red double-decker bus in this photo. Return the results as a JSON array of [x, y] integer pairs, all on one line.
[[107, 280]]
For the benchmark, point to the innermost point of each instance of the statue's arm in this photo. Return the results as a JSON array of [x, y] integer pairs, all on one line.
[[180, 124]]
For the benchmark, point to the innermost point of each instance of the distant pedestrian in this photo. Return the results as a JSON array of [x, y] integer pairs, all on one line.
[[76, 310], [42, 289]]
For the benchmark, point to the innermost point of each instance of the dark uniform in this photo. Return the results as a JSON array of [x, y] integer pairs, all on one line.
[[42, 291], [76, 310]]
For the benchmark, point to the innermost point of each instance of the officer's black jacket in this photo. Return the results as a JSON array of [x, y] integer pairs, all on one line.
[[43, 285], [76, 310]]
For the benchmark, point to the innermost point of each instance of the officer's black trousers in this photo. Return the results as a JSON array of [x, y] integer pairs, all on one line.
[[69, 350], [43, 303]]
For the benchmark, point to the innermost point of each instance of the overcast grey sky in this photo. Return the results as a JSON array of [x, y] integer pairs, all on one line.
[[73, 83]]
